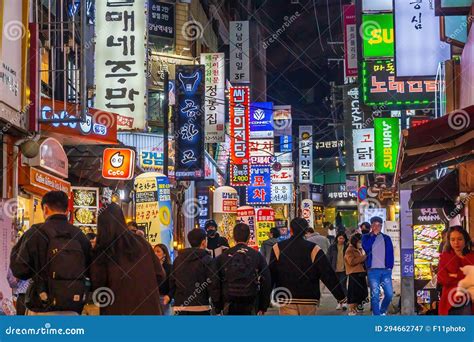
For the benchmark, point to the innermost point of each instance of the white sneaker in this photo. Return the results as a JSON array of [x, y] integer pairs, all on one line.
[[352, 313], [339, 307], [344, 307]]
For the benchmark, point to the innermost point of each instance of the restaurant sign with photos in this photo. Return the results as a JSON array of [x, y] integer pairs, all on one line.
[[120, 60], [189, 120]]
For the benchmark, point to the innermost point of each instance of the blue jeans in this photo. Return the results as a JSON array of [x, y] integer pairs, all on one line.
[[380, 277]]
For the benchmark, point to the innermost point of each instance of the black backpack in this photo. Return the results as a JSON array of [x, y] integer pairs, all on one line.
[[241, 274], [66, 269]]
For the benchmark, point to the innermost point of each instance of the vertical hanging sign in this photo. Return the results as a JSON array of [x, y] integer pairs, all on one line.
[[350, 40], [120, 60], [239, 136], [189, 153], [387, 139], [306, 154], [239, 52], [214, 110]]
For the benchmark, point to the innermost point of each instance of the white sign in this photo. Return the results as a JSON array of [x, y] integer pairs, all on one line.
[[261, 147], [214, 64], [417, 43], [120, 59], [225, 200], [366, 213], [285, 175], [307, 211], [364, 150], [284, 157], [376, 5], [306, 154], [239, 52], [282, 193]]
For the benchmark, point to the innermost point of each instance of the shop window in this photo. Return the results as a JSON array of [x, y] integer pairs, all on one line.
[[155, 115]]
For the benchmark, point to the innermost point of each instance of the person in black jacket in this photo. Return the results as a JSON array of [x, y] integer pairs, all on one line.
[[34, 257], [162, 253], [244, 275], [216, 244], [296, 267], [193, 280]]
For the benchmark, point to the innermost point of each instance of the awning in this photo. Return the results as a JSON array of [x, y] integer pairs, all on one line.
[[437, 194], [443, 142], [85, 166]]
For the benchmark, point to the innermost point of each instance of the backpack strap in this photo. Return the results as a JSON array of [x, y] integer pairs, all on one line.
[[276, 250], [314, 253]]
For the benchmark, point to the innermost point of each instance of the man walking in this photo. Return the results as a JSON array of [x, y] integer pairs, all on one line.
[[315, 237], [193, 281], [245, 278], [296, 267], [379, 263], [56, 256], [216, 244]]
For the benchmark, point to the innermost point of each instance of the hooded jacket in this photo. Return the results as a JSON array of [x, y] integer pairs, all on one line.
[[193, 281]]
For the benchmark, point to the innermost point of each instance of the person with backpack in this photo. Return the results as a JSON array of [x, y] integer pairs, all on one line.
[[55, 255], [245, 277], [296, 267], [193, 282], [125, 272], [216, 244]]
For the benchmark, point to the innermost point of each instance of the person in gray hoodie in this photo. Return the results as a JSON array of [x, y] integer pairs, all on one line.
[[266, 248], [318, 239]]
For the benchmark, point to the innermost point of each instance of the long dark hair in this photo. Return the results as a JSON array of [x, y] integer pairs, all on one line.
[[165, 251], [113, 236], [341, 234], [355, 238], [465, 234]]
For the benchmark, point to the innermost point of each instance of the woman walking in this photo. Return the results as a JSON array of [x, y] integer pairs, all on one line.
[[457, 253], [162, 253], [336, 254], [125, 271], [354, 259]]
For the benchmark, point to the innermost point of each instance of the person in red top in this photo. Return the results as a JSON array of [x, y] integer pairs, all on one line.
[[457, 253]]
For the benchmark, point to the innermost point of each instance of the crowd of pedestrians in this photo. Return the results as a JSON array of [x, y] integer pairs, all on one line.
[[57, 270]]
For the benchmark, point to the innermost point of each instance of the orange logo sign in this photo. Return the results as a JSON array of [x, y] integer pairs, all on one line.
[[118, 163]]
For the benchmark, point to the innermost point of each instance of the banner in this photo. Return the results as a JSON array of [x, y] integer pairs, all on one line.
[[350, 40], [239, 49], [417, 39], [364, 149], [261, 120], [239, 136], [306, 154], [285, 175], [387, 140], [161, 19], [225, 202], [265, 222], [246, 215], [377, 35], [214, 110], [307, 211], [282, 193], [120, 60], [189, 122], [153, 208], [381, 88], [260, 189]]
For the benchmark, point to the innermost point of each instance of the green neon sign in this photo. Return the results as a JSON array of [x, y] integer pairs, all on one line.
[[377, 35], [387, 140]]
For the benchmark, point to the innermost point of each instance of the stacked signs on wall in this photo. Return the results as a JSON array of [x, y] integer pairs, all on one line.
[[120, 60], [387, 140], [306, 154], [350, 41], [189, 122], [239, 52], [239, 103], [215, 96]]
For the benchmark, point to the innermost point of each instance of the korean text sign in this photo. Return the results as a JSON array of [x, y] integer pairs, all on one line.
[[239, 51], [214, 64], [387, 140], [377, 35], [364, 149], [161, 19], [260, 189], [120, 60], [350, 40], [306, 154], [239, 133], [189, 123]]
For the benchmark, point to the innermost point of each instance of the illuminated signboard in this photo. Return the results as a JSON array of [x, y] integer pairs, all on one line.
[[380, 88], [377, 5], [261, 120], [387, 140], [239, 132], [363, 149], [239, 41], [306, 154], [350, 40], [260, 189], [377, 35], [118, 163]]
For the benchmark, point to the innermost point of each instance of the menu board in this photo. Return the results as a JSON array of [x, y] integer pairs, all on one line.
[[85, 208], [427, 238]]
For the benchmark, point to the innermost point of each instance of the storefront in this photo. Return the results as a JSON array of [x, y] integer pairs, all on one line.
[[340, 206]]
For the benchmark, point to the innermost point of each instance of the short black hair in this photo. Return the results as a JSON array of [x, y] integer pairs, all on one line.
[[343, 234], [275, 232], [56, 200], [299, 226], [376, 219], [310, 230], [241, 232], [196, 237], [355, 238], [91, 236]]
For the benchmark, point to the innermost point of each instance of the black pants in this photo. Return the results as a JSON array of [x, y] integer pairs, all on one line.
[[20, 305], [239, 309], [193, 313]]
